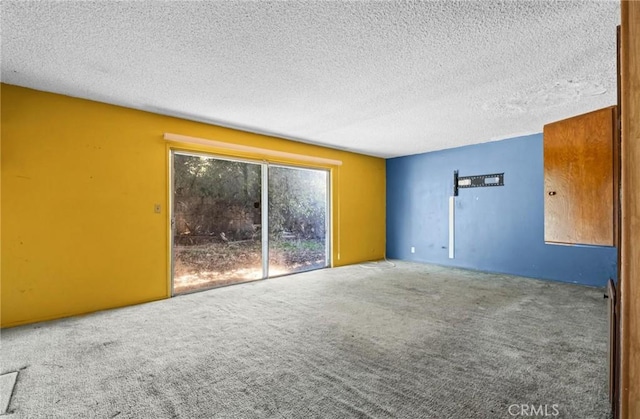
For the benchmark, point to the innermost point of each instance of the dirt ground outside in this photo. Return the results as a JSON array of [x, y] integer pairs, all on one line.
[[215, 264]]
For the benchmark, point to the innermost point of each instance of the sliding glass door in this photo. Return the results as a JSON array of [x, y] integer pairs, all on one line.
[[219, 209], [216, 222], [297, 219]]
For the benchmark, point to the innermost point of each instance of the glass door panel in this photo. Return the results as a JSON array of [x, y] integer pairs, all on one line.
[[216, 222], [297, 219]]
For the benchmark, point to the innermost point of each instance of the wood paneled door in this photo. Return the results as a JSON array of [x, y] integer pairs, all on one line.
[[629, 284], [579, 179]]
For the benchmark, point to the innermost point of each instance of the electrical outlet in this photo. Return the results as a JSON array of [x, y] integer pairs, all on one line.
[[413, 249]]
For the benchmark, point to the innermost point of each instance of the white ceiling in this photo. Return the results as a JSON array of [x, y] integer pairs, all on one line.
[[381, 78]]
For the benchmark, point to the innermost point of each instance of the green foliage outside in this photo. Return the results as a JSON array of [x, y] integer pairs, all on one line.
[[220, 198], [217, 212]]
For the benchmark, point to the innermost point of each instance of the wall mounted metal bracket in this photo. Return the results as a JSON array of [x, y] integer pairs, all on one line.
[[476, 181]]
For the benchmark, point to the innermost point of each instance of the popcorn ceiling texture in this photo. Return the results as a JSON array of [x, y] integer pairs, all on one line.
[[380, 78]]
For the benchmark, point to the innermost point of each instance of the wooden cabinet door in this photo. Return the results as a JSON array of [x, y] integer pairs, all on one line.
[[579, 179]]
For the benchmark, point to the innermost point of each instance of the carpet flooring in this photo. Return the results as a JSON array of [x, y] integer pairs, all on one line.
[[363, 341]]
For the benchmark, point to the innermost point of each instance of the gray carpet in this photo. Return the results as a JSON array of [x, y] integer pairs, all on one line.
[[411, 341]]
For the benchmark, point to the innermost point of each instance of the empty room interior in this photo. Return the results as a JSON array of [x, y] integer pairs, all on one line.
[[302, 209]]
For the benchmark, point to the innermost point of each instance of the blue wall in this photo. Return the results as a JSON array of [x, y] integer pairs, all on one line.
[[497, 229]]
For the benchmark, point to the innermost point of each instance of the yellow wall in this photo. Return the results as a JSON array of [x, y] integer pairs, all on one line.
[[79, 184]]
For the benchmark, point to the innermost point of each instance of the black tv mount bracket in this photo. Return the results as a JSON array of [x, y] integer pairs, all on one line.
[[476, 181]]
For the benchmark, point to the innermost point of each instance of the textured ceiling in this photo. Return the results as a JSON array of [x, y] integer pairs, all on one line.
[[380, 78]]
